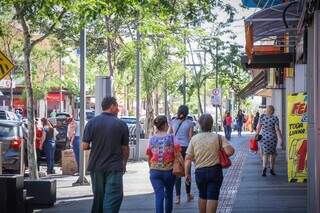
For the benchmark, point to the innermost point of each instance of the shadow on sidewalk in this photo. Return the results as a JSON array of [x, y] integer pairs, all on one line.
[[269, 194]]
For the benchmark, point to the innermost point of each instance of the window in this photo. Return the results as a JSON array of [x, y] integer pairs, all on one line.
[[7, 131]]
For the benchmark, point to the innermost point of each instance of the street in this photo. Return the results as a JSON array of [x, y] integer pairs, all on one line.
[[243, 190]]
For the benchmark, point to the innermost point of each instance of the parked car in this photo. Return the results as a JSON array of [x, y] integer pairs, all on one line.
[[131, 123], [8, 115], [90, 114], [11, 136]]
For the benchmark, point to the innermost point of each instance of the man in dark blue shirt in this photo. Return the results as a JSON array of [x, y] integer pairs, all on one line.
[[108, 138]]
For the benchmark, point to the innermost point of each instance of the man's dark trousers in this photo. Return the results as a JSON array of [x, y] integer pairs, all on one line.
[[107, 188]]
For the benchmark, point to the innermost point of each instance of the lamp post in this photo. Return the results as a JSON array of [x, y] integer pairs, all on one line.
[[82, 180]]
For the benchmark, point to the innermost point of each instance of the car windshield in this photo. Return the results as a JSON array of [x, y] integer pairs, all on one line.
[[129, 120], [7, 131]]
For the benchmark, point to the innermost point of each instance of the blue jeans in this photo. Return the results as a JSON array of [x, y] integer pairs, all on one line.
[[76, 149], [163, 183], [49, 147], [107, 190], [239, 127], [227, 131]]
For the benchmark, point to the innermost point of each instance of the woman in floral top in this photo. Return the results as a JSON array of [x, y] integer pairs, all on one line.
[[161, 151]]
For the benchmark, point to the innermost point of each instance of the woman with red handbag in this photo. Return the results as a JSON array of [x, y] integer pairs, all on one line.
[[210, 154]]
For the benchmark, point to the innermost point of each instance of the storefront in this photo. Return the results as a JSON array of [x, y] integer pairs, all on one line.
[[308, 56]]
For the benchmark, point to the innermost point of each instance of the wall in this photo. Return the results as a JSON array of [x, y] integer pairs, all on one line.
[[300, 84], [276, 101]]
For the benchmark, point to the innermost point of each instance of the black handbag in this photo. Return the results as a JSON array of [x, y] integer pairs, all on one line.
[[258, 137]]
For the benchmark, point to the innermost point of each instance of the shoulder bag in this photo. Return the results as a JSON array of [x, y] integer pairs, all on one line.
[[225, 162], [178, 163]]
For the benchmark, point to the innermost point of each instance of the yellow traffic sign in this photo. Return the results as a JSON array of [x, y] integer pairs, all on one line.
[[5, 65]]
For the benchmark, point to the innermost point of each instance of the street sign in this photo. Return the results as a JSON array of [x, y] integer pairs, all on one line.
[[216, 97], [5, 65], [6, 84]]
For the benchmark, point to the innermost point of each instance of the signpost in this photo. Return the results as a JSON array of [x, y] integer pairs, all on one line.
[[216, 100], [5, 65], [216, 97]]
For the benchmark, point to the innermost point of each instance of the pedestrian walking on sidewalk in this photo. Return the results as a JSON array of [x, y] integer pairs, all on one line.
[[256, 121], [240, 120], [204, 151], [73, 135], [40, 138], [227, 122], [161, 154], [269, 128], [182, 128], [108, 138], [49, 144]]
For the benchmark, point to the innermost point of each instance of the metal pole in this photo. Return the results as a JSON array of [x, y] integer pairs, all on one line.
[[166, 99], [184, 77], [82, 180], [21, 158], [0, 158], [205, 87], [60, 73], [138, 69], [217, 70]]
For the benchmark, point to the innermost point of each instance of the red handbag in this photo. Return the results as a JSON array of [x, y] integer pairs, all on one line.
[[253, 144], [225, 162]]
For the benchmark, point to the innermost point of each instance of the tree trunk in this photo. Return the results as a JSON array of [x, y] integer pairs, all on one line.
[[32, 162], [199, 100], [156, 107], [149, 116], [109, 46]]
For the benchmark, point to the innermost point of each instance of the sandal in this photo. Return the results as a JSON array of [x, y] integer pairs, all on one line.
[[177, 200], [190, 198]]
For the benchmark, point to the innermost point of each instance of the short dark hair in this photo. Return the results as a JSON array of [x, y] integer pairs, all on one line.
[[160, 121], [107, 102], [183, 110], [206, 122]]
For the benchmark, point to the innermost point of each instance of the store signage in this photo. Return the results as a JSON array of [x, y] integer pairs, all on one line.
[[5, 65], [297, 125], [6, 84], [216, 98]]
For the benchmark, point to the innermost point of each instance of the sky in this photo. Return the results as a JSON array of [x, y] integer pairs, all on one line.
[[238, 26]]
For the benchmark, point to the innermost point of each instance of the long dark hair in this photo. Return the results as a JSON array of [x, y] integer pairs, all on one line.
[[46, 122], [183, 112]]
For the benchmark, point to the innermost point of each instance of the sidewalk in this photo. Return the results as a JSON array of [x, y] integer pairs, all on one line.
[[269, 194], [243, 190]]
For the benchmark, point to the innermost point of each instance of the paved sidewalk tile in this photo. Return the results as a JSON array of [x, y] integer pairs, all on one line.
[[269, 194], [243, 189]]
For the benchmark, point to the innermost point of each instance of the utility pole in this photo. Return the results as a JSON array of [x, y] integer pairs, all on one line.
[[82, 180], [60, 74], [184, 76], [138, 70], [217, 82], [205, 86]]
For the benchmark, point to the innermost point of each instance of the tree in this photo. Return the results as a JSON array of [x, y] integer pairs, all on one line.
[[38, 20]]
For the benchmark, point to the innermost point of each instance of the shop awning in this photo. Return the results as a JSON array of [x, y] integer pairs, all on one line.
[[279, 60], [271, 22], [258, 83], [260, 3]]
